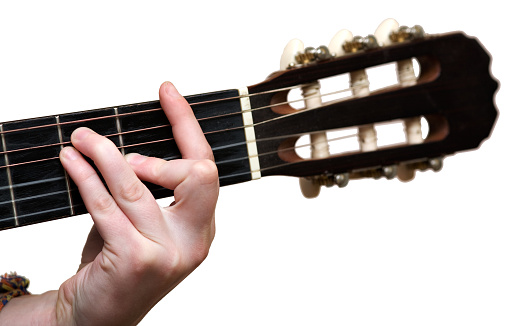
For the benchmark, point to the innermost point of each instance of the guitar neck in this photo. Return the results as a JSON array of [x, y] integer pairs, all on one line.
[[253, 132], [35, 188]]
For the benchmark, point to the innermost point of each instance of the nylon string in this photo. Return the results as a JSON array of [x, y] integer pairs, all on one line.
[[176, 157], [167, 125]]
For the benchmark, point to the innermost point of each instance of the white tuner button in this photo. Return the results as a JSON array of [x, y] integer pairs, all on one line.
[[405, 172], [310, 189], [289, 53], [382, 33], [335, 46]]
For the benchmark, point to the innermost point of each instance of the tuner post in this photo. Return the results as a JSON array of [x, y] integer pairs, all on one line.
[[389, 32], [344, 43], [294, 55]]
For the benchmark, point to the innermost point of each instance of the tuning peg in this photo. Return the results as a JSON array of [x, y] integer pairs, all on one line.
[[294, 53], [309, 188], [342, 43], [412, 127], [387, 33], [383, 31], [290, 51], [405, 172], [336, 46]]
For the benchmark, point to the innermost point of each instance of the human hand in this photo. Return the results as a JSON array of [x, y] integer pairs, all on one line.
[[137, 251]]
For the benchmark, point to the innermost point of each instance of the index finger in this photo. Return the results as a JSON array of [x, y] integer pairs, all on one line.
[[186, 129]]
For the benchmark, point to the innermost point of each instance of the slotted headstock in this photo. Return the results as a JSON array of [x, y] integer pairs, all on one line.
[[454, 92]]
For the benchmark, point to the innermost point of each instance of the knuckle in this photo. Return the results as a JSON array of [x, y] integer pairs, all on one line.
[[154, 261], [199, 255], [206, 152], [170, 265], [144, 260], [85, 176], [158, 170], [104, 203], [205, 171], [132, 192]]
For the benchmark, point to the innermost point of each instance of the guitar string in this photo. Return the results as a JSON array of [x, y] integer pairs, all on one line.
[[223, 147], [114, 116], [221, 162], [162, 126], [141, 129], [172, 158]]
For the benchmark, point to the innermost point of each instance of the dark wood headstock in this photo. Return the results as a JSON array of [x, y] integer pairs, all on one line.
[[454, 93]]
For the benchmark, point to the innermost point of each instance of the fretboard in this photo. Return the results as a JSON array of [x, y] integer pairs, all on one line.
[[35, 188]]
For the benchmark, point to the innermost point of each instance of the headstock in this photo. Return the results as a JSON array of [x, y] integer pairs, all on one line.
[[453, 93]]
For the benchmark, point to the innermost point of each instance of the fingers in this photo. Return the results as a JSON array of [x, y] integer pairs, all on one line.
[[129, 195], [186, 130], [130, 199], [196, 188], [170, 174], [99, 203]]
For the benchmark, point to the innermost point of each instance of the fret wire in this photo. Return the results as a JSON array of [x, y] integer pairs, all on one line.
[[9, 178], [118, 129], [66, 176], [161, 126]]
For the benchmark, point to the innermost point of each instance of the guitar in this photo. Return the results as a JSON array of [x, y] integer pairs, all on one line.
[[254, 131]]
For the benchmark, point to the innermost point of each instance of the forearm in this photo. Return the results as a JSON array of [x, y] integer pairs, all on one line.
[[30, 310]]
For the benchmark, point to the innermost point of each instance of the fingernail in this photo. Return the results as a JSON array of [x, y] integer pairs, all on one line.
[[81, 133], [135, 159], [171, 90], [70, 153]]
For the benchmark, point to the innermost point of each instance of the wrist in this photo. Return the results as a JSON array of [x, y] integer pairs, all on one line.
[[31, 310]]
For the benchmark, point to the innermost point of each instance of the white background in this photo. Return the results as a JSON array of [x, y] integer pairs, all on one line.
[[449, 248]]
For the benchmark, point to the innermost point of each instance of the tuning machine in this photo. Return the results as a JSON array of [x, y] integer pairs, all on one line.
[[389, 32], [359, 43], [328, 180], [405, 33], [311, 54], [295, 54], [342, 44], [389, 172]]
